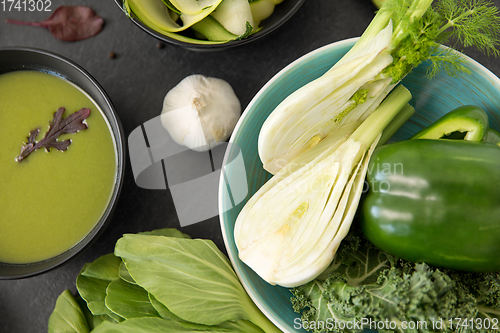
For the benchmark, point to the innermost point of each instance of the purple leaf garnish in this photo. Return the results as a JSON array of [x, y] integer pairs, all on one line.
[[69, 23], [58, 126]]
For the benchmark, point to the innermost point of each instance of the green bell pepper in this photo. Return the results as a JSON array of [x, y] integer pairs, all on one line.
[[436, 201], [469, 120]]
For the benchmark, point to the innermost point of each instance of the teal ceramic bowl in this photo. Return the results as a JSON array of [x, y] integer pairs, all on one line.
[[431, 99]]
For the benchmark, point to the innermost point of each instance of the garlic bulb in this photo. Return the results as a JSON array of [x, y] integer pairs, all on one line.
[[200, 112]]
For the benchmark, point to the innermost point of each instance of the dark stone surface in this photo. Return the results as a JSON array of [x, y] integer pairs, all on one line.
[[137, 79]]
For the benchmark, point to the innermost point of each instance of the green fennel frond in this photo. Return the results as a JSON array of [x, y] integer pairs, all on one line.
[[472, 23], [447, 60], [417, 38]]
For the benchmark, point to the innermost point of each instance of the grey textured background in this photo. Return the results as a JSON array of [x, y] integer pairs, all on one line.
[[137, 81]]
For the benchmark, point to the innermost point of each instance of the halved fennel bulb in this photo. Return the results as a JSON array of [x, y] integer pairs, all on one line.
[[289, 231], [345, 94]]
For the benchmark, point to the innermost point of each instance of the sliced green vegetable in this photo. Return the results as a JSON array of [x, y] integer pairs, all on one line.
[[171, 7], [154, 14], [157, 16], [261, 9], [436, 201], [211, 29], [470, 120], [195, 7], [129, 300], [492, 136], [234, 16], [67, 316], [163, 28]]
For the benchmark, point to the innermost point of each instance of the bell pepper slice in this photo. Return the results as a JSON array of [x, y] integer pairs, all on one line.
[[468, 119]]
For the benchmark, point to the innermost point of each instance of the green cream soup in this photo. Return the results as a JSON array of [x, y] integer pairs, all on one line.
[[50, 200]]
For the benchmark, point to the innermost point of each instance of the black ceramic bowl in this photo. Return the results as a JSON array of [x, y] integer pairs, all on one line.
[[13, 59], [281, 14]]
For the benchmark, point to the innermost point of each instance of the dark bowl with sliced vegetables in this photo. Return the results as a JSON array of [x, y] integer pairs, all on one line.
[[209, 27], [61, 135]]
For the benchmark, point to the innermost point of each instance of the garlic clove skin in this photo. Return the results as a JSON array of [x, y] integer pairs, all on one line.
[[200, 112]]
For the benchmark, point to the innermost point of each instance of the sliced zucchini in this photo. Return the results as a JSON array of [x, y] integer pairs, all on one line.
[[158, 17], [261, 9], [234, 15], [212, 30], [195, 7]]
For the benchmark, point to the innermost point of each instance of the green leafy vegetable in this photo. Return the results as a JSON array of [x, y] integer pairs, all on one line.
[[124, 274], [365, 283], [129, 300], [167, 232], [92, 320], [93, 291], [163, 311], [67, 316], [172, 284], [149, 325], [192, 278], [104, 268], [58, 126]]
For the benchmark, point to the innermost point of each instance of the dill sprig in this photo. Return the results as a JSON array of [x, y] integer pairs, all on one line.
[[421, 28], [472, 23]]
